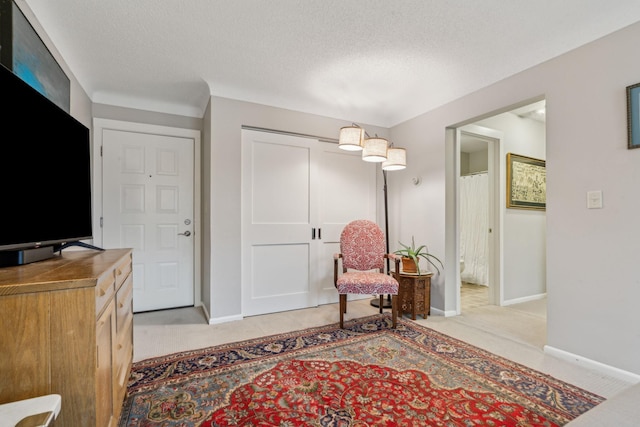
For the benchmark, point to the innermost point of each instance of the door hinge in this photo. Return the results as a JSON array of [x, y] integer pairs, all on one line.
[[101, 221], [101, 151]]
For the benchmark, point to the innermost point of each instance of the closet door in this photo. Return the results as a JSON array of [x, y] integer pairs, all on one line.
[[297, 194], [347, 191]]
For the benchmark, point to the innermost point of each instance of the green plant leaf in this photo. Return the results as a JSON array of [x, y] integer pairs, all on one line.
[[416, 253]]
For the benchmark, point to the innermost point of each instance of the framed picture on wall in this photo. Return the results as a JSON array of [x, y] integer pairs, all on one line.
[[526, 182], [633, 115], [23, 52]]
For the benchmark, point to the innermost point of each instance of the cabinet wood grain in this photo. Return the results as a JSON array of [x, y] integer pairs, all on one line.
[[67, 328]]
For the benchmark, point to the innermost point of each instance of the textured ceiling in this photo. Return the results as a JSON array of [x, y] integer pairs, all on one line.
[[378, 62]]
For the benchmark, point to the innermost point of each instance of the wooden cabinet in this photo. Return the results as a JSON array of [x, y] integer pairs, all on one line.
[[67, 328], [414, 293], [105, 328]]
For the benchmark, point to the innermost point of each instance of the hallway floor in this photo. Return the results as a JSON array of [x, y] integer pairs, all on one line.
[[472, 295]]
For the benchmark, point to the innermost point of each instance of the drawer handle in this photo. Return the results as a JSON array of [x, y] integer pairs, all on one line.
[[118, 272], [102, 292]]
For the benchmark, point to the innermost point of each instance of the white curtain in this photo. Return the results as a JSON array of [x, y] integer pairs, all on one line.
[[474, 228]]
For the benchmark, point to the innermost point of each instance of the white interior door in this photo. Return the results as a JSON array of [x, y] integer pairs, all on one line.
[[347, 191], [279, 214], [297, 195], [148, 205]]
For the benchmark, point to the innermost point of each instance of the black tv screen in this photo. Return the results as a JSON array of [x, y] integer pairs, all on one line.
[[45, 170]]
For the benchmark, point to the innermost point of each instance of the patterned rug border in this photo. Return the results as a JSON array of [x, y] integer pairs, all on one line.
[[180, 367], [355, 327]]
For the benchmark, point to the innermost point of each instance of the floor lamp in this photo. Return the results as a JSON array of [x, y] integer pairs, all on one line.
[[378, 150], [376, 301]]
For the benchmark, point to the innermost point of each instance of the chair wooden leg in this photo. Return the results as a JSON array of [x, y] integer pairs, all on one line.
[[394, 310], [381, 302], [343, 309]]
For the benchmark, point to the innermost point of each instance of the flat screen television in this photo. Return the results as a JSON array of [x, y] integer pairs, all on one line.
[[45, 175]]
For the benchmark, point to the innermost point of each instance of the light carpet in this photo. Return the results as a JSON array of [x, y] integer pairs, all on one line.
[[365, 374]]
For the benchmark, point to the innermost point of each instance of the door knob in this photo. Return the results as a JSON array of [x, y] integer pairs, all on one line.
[[186, 233]]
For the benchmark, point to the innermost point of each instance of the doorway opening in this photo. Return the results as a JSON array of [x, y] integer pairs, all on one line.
[[478, 216], [476, 205], [478, 149]]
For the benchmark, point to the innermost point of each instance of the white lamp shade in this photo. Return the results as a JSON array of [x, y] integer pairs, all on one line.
[[351, 138], [375, 150], [396, 159]]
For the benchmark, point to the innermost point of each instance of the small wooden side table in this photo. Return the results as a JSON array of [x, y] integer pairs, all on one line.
[[414, 294]]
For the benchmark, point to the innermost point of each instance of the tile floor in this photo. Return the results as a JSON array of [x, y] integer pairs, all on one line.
[[472, 295]]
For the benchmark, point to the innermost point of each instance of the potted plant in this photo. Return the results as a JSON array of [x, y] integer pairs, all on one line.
[[411, 257]]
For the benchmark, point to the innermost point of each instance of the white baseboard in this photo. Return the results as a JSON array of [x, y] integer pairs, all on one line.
[[524, 299], [438, 312], [451, 313], [206, 312], [215, 321], [225, 319], [592, 364]]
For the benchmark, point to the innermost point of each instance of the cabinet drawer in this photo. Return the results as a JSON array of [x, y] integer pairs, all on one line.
[[124, 305], [124, 348], [123, 359], [122, 271], [105, 290], [103, 368]]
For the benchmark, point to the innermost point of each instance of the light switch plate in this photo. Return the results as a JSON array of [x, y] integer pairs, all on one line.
[[594, 199]]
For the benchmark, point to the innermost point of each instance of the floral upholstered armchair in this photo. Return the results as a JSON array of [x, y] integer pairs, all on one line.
[[362, 250]]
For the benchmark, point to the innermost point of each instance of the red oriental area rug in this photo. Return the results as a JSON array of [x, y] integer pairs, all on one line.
[[367, 374]]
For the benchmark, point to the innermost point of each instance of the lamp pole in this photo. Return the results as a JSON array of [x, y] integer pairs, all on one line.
[[376, 301], [386, 213]]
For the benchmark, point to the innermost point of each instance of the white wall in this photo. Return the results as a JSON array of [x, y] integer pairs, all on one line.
[[223, 163], [592, 282], [524, 231], [80, 104], [464, 163], [478, 162], [474, 162]]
